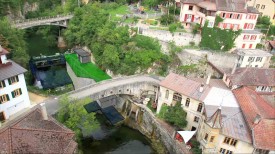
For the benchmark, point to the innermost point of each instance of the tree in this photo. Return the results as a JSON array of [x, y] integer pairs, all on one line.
[[14, 40], [73, 115], [173, 27], [167, 19], [174, 115]]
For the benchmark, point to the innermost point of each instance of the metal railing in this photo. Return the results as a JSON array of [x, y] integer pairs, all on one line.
[[70, 15]]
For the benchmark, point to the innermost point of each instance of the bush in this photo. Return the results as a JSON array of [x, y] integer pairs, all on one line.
[[192, 43], [173, 27], [167, 19], [195, 146], [259, 46]]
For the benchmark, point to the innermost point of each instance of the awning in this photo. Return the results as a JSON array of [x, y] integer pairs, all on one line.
[[186, 135]]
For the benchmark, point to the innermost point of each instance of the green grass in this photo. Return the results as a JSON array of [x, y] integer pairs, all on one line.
[[121, 10], [87, 70]]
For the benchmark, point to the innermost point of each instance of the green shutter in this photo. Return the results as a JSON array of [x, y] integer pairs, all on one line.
[[20, 91], [12, 93], [9, 81], [17, 78], [8, 97]]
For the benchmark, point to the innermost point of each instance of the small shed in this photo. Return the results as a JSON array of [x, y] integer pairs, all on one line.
[[83, 56]]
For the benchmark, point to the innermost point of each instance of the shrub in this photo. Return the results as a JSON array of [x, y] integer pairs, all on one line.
[[167, 19], [192, 43]]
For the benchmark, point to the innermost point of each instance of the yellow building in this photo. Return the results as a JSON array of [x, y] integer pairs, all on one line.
[[265, 7]]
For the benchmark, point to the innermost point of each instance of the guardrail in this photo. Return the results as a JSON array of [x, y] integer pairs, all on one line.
[[41, 18]]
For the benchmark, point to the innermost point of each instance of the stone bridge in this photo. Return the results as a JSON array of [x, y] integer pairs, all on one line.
[[131, 85], [59, 20]]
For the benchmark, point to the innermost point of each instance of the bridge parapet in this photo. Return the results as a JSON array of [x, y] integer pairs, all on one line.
[[131, 85], [51, 20]]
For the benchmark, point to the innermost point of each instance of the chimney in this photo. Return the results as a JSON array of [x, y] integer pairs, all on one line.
[[234, 67], [44, 111], [208, 79], [201, 88], [257, 119]]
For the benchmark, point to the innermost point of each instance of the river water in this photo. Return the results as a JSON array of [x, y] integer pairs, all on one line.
[[121, 140]]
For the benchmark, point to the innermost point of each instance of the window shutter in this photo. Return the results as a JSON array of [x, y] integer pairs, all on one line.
[[4, 84], [17, 78], [12, 94], [8, 97], [185, 17], [245, 25], [20, 91], [9, 80], [192, 20], [241, 16]]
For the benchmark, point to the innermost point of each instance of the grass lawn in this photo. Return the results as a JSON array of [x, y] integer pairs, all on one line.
[[87, 70], [121, 10]]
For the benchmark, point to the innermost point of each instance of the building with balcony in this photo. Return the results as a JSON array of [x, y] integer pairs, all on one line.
[[253, 58], [235, 14], [13, 91]]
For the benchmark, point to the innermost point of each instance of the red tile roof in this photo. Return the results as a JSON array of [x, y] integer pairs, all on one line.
[[253, 77], [185, 86], [32, 134], [252, 105]]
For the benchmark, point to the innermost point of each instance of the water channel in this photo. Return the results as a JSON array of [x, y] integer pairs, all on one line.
[[120, 140]]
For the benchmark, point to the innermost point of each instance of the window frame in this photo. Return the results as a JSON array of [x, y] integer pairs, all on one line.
[[4, 98], [177, 97], [190, 6], [259, 59], [2, 84], [212, 139], [166, 94], [13, 80], [205, 137], [263, 7], [16, 93], [199, 109], [196, 119], [187, 102]]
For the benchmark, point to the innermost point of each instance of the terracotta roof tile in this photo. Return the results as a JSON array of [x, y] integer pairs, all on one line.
[[253, 77], [32, 134], [272, 43], [185, 86], [4, 51], [252, 105]]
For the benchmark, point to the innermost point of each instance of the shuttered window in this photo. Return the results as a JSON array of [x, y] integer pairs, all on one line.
[[13, 80], [16, 93], [2, 84], [4, 98]]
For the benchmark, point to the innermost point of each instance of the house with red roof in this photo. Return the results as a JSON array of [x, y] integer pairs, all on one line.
[[36, 132], [235, 13], [258, 79], [260, 118], [13, 90]]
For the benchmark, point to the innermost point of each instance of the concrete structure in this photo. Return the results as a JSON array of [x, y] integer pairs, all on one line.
[[253, 58], [265, 7], [59, 20], [236, 15], [13, 91], [83, 56]]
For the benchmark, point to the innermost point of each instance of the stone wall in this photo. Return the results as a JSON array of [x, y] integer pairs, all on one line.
[[157, 131], [78, 82]]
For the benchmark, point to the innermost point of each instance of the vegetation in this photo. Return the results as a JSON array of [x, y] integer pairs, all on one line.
[[175, 115], [73, 115], [50, 92], [150, 106], [218, 39], [112, 46], [87, 70], [167, 19], [13, 40], [195, 146], [187, 69], [264, 24]]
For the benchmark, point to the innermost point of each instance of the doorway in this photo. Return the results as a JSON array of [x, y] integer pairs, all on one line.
[[193, 128]]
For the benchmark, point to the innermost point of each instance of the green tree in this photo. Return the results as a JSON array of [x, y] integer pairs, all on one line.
[[167, 19], [174, 115], [173, 27], [15, 41], [73, 115]]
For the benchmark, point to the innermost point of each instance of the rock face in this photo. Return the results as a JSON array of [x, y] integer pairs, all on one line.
[[162, 139]]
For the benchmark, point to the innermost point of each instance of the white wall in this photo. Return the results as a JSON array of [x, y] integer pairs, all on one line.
[[3, 58], [18, 103], [240, 41], [261, 64]]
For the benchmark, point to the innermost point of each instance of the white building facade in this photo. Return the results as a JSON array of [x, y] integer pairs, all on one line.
[[13, 91]]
